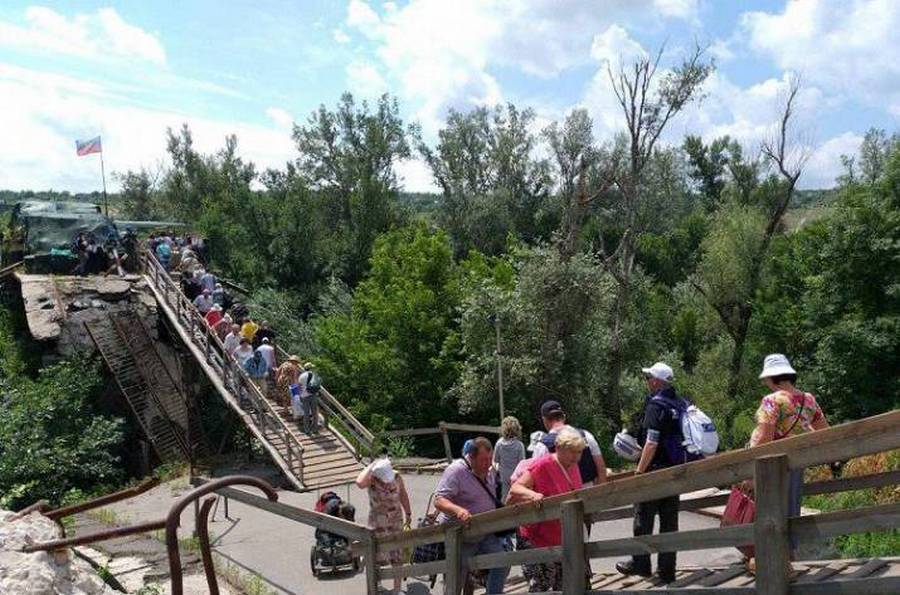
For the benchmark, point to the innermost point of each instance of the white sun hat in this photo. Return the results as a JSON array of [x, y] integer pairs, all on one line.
[[383, 471], [660, 371], [776, 364], [534, 439]]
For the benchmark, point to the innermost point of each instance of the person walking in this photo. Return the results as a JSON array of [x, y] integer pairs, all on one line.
[[660, 435], [389, 508], [782, 413], [591, 465], [258, 371], [288, 375], [204, 302], [508, 452], [232, 339], [467, 487], [248, 330], [548, 476], [305, 399], [243, 352]]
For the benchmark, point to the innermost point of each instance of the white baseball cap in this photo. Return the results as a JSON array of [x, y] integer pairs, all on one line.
[[383, 471], [776, 364], [660, 371]]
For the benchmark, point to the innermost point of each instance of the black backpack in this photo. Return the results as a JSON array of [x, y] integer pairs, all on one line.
[[586, 466]]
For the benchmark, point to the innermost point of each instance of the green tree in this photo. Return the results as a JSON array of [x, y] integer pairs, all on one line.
[[52, 437], [397, 349], [138, 196]]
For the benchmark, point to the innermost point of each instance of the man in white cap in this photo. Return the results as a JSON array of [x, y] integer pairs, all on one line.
[[660, 429]]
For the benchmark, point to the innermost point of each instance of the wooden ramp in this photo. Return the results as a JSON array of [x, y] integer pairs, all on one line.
[[327, 459], [869, 575]]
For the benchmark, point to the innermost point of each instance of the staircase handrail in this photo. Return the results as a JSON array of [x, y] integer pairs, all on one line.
[[265, 412]]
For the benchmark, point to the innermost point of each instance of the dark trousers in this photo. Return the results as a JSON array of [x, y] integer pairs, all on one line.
[[644, 516]]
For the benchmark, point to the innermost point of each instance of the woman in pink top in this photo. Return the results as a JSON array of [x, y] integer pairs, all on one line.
[[550, 475]]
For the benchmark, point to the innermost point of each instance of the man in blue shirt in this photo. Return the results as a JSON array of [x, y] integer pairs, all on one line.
[[659, 425]]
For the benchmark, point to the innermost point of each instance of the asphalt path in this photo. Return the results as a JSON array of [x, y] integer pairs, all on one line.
[[278, 549]]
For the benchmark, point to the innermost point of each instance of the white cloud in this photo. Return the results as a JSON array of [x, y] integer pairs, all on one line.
[[364, 79], [444, 55], [414, 175], [615, 45], [98, 35], [46, 112], [340, 36], [851, 51], [825, 165], [281, 117]]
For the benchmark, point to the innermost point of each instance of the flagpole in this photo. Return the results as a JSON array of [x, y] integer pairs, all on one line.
[[103, 174]]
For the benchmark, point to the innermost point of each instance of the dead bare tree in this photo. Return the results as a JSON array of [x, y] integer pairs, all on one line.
[[649, 101], [786, 157]]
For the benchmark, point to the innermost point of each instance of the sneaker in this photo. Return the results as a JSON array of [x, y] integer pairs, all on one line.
[[630, 568]]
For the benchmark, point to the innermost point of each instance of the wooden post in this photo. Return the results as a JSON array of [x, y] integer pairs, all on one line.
[[449, 453], [770, 528], [372, 565], [455, 577], [572, 514]]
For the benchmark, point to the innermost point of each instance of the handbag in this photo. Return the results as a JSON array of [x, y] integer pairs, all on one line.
[[740, 510], [428, 552]]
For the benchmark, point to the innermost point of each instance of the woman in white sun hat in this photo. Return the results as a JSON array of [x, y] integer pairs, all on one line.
[[389, 509], [784, 412]]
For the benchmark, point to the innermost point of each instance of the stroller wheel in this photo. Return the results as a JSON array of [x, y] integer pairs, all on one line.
[[312, 563]]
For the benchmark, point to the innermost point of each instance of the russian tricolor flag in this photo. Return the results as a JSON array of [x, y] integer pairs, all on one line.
[[86, 147]]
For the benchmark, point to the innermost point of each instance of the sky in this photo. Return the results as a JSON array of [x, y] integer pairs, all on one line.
[[128, 70]]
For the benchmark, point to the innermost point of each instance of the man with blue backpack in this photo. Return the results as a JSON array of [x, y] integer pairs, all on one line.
[[672, 432]]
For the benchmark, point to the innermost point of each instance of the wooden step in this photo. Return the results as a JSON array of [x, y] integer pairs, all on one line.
[[330, 482], [318, 475]]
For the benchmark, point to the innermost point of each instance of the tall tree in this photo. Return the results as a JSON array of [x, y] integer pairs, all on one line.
[[734, 302], [649, 101], [350, 155], [492, 181]]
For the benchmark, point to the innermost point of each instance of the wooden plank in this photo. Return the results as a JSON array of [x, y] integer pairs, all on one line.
[[822, 573], [372, 570], [541, 555], [679, 541], [866, 569], [684, 591], [446, 440], [723, 575], [818, 527], [573, 563], [300, 515], [846, 484], [454, 578], [412, 432], [692, 578], [770, 535], [472, 428], [863, 586], [425, 569]]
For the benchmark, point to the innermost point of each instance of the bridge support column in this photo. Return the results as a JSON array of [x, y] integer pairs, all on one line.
[[770, 530], [573, 562]]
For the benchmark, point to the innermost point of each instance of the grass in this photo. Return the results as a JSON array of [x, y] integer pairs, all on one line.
[[249, 583], [862, 545]]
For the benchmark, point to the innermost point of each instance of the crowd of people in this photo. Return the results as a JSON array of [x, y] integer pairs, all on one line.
[[565, 458], [292, 384]]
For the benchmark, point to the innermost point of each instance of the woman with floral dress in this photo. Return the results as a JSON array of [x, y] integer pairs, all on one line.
[[389, 509], [784, 412]]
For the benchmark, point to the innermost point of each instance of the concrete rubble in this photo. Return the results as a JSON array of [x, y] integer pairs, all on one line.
[[41, 573]]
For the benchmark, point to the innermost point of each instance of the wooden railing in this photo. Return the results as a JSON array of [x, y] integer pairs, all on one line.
[[768, 465], [357, 436], [227, 375], [443, 429]]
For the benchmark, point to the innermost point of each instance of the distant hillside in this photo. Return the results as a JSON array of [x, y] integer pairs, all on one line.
[[805, 199]]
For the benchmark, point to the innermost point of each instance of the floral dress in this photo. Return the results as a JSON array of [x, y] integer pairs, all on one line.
[[782, 408], [386, 514]]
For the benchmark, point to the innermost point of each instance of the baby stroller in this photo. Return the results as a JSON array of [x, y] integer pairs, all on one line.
[[331, 551]]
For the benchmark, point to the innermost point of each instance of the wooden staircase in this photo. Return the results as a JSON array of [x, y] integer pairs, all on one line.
[[328, 459], [153, 396]]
